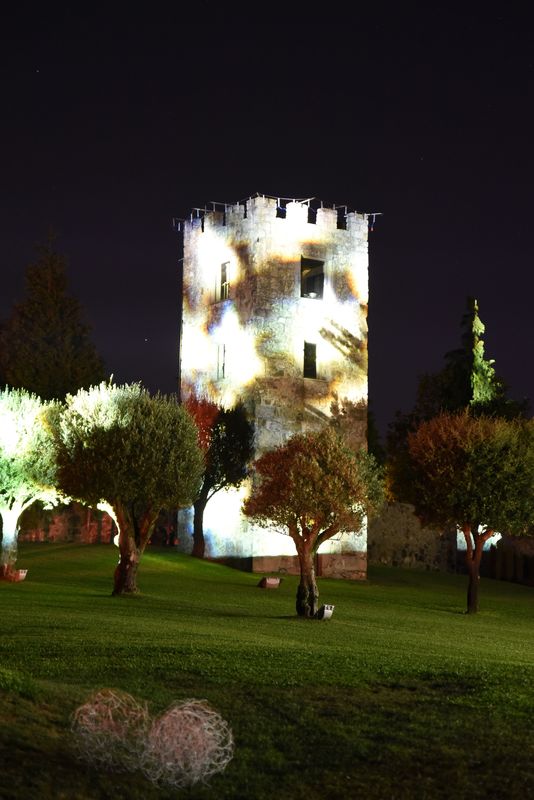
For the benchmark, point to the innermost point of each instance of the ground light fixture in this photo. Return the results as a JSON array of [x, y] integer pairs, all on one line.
[[325, 612]]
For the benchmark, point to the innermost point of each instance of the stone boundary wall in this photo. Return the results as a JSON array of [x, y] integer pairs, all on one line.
[[72, 523], [396, 538]]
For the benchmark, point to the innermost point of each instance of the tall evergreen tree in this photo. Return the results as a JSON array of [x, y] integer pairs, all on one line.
[[468, 378], [45, 345], [467, 381]]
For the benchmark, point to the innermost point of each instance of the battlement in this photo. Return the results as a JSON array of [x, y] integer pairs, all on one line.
[[266, 208]]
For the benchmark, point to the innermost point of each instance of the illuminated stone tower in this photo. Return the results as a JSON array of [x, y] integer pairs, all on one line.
[[275, 314]]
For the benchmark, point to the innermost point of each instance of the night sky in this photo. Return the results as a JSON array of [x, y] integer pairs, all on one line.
[[112, 124]]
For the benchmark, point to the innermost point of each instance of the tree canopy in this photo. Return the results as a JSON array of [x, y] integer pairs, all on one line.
[[45, 345], [467, 381], [313, 488], [226, 437], [135, 454], [474, 473], [27, 467]]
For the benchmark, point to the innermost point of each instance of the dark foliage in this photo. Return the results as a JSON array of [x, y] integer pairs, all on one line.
[[45, 345], [227, 439]]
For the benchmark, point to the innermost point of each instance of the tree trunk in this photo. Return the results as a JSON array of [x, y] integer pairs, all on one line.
[[8, 556], [473, 557], [307, 592], [134, 533], [199, 542], [125, 577]]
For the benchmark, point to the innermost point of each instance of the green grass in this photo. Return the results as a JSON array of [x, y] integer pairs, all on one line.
[[399, 695]]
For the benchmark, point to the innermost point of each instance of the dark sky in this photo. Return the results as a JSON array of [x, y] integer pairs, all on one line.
[[112, 124]]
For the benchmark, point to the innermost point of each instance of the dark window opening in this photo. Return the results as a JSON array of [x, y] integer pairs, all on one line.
[[224, 287], [342, 218], [281, 209], [311, 278], [310, 360], [312, 215]]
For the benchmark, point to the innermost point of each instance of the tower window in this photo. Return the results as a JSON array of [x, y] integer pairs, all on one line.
[[311, 278], [342, 218], [310, 360], [222, 284], [221, 361]]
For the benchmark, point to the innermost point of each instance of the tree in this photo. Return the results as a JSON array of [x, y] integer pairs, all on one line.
[[476, 473], [226, 437], [467, 380], [45, 346], [130, 453], [313, 488], [27, 469]]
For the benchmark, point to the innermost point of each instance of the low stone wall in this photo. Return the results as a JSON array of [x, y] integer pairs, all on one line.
[[349, 566], [396, 538], [71, 523]]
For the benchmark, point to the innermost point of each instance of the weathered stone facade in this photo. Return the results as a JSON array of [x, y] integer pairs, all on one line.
[[275, 315]]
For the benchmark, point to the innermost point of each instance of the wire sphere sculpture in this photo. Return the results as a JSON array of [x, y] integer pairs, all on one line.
[[110, 730], [189, 743]]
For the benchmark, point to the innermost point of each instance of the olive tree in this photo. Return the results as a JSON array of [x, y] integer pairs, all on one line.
[[27, 467], [313, 488], [121, 449], [475, 473]]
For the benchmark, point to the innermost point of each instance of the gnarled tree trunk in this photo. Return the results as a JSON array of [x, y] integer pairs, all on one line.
[[125, 577], [134, 534], [307, 592]]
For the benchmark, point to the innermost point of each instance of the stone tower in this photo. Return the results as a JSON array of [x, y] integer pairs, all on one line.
[[275, 314]]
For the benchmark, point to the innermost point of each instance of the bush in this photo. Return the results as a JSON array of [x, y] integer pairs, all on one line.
[[396, 538]]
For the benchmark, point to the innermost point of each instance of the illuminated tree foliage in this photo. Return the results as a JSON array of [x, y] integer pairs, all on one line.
[[313, 488], [131, 453], [476, 473], [45, 346], [27, 470], [227, 440]]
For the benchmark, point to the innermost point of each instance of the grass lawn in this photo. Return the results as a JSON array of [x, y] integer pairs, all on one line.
[[399, 695]]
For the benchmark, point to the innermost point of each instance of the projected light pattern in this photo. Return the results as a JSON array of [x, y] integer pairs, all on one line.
[[269, 301]]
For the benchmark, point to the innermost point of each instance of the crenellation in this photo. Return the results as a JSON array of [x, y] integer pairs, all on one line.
[[327, 219]]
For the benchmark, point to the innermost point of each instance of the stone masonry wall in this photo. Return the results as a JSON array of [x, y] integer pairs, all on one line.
[[249, 345]]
